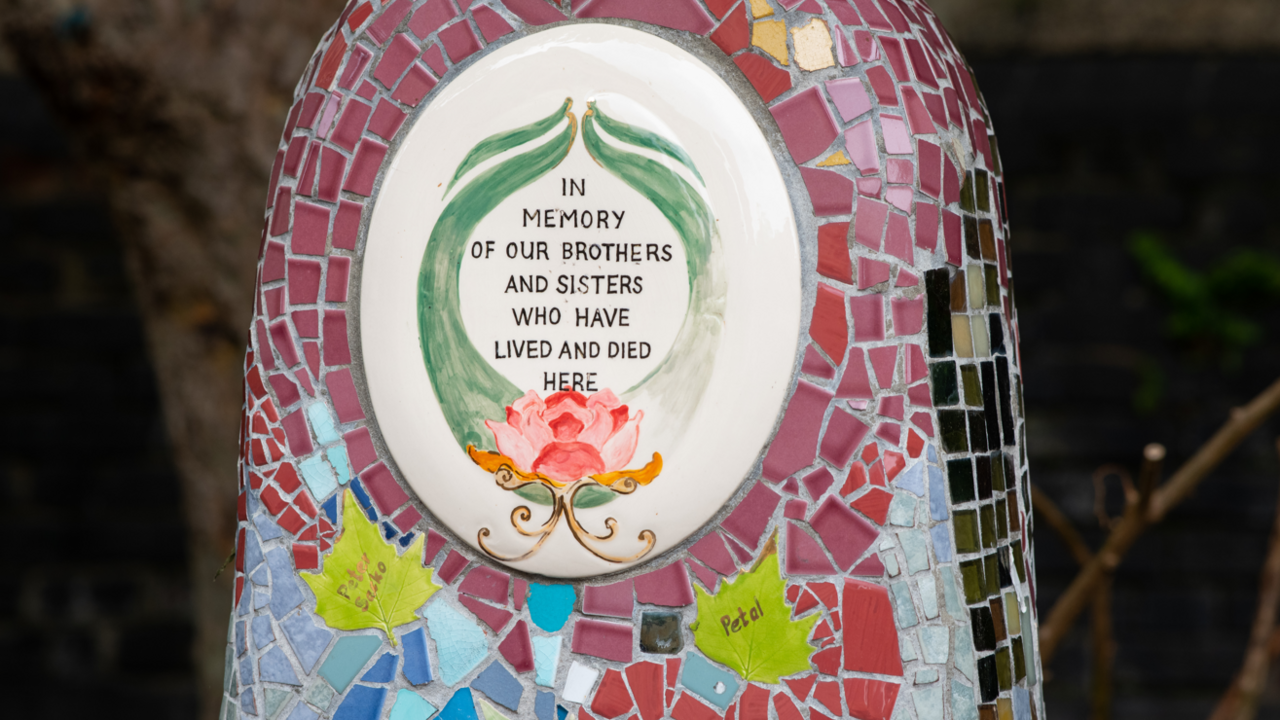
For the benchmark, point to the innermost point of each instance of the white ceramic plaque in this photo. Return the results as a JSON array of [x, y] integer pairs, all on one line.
[[580, 300]]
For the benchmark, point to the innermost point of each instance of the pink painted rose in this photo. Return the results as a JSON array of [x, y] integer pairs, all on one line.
[[568, 436]]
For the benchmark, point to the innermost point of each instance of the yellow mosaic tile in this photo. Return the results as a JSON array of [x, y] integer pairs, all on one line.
[[813, 46], [838, 159], [771, 37], [760, 8]]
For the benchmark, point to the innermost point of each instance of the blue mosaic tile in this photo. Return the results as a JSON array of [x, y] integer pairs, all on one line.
[[322, 424], [928, 702], [302, 712], [241, 645], [252, 550], [330, 508], [937, 494], [318, 475], [285, 594], [916, 550], [903, 608], [902, 511], [261, 597], [267, 527], [462, 706], [417, 663], [362, 703], [341, 464], [307, 640], [544, 706], [941, 535], [262, 634], [383, 670], [500, 685], [363, 498], [247, 702], [246, 672], [460, 643], [546, 658], [700, 676], [406, 539], [274, 666], [550, 605], [410, 705], [1021, 704], [963, 704], [261, 576], [347, 657], [912, 480]]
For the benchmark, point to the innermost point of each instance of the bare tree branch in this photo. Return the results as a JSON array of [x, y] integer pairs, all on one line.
[[1242, 422], [1241, 700]]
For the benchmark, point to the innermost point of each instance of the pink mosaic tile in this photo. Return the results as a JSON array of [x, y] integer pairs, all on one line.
[[806, 123], [796, 445], [459, 41]]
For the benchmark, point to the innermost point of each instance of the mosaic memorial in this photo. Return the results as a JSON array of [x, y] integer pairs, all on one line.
[[621, 359]]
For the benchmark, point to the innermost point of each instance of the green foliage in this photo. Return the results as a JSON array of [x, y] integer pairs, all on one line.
[[748, 627], [1210, 309], [364, 584]]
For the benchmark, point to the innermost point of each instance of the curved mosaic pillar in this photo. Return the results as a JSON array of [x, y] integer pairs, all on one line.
[[621, 359]]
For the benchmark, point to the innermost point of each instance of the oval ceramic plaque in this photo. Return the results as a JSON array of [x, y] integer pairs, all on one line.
[[563, 327]]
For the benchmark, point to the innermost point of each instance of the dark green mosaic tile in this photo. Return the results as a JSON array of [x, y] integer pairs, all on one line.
[[972, 387], [951, 426], [660, 633], [996, 334], [1019, 659], [971, 578], [982, 464], [937, 292], [997, 472], [992, 278], [966, 525], [990, 405], [982, 190], [945, 385], [987, 516], [1016, 546], [972, 243], [990, 575], [1004, 673], [984, 632], [1002, 519], [988, 683], [977, 431], [960, 480]]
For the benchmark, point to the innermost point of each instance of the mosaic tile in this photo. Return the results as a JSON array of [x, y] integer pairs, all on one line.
[[499, 685], [804, 556], [517, 649], [348, 656], [610, 641], [579, 682], [668, 586], [615, 600], [550, 605], [546, 655], [411, 706], [362, 703], [461, 706], [460, 643]]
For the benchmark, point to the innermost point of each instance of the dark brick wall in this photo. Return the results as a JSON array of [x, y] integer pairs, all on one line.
[[94, 617], [1096, 149], [93, 608]]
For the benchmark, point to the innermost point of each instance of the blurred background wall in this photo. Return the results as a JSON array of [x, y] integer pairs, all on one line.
[[1117, 120]]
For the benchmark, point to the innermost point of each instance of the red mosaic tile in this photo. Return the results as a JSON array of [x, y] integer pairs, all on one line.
[[833, 252], [406, 519], [308, 535], [711, 551], [305, 504], [386, 23], [687, 708], [868, 318], [492, 25], [676, 14], [915, 444], [431, 16], [871, 272], [908, 315], [827, 661], [386, 120], [844, 433], [828, 693], [305, 556], [459, 41], [346, 225], [610, 641], [386, 492], [803, 555], [435, 543], [844, 534], [748, 521], [754, 703], [869, 630], [453, 566], [357, 18], [815, 364], [855, 383], [668, 586], [336, 350], [768, 79], [291, 521], [330, 62], [294, 154], [870, 567], [295, 427], [415, 86], [806, 123], [342, 391], [796, 443], [734, 33], [495, 618], [517, 649], [951, 236], [830, 192], [829, 327], [357, 61], [646, 682], [364, 168], [534, 12], [874, 504], [785, 708], [870, 699]]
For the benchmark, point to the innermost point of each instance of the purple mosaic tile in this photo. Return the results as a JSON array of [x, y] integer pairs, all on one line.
[[668, 586], [459, 41], [844, 433], [386, 23], [606, 640], [304, 281], [488, 584], [855, 383], [346, 225], [360, 451], [804, 556], [310, 230], [676, 14], [357, 61], [616, 600], [415, 86], [830, 192], [868, 317], [492, 25], [342, 392], [431, 16], [806, 123], [534, 12], [335, 289], [712, 552], [364, 168], [336, 350], [796, 444], [351, 124]]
